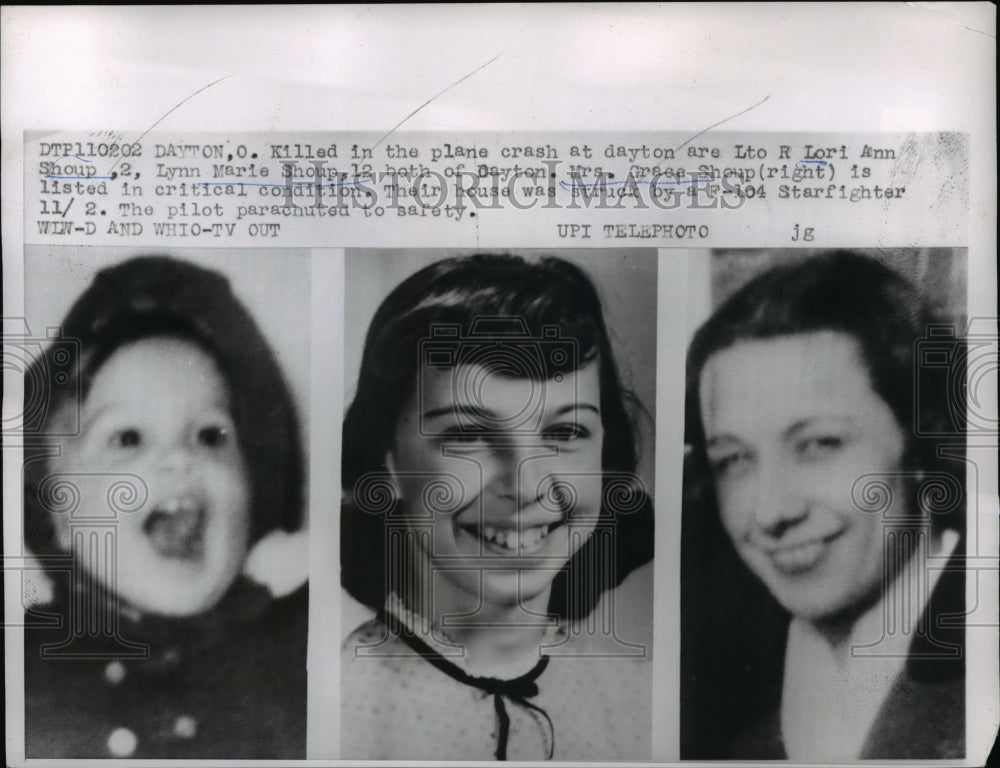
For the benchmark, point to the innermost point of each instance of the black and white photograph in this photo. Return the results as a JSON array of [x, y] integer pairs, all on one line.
[[165, 503], [497, 523], [437, 384], [822, 575]]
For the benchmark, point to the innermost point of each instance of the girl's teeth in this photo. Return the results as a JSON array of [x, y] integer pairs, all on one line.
[[514, 541], [532, 538]]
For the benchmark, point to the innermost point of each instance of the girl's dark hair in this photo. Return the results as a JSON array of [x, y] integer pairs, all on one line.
[[475, 302], [159, 296]]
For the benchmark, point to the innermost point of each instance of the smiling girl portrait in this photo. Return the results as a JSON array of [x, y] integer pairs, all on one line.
[[492, 516]]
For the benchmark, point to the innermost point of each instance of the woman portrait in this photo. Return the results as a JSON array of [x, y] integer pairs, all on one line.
[[497, 516], [824, 510]]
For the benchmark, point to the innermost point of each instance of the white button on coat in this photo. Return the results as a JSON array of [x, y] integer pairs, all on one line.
[[122, 742], [114, 673], [186, 727]]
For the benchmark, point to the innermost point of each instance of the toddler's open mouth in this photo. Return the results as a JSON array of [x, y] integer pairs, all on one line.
[[176, 527]]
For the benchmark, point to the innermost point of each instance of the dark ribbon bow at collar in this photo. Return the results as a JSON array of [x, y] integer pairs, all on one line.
[[518, 689]]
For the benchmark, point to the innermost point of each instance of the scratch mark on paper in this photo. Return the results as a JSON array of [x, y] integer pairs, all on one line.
[[439, 93], [725, 120], [940, 8], [173, 109], [992, 37]]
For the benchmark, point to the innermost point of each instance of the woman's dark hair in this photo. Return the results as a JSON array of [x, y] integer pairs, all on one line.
[[887, 317], [159, 296], [733, 641], [548, 317]]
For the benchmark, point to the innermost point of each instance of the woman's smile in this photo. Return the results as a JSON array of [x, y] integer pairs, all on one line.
[[796, 559], [792, 424]]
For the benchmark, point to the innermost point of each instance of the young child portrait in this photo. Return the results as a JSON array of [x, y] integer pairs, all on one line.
[[164, 499]]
